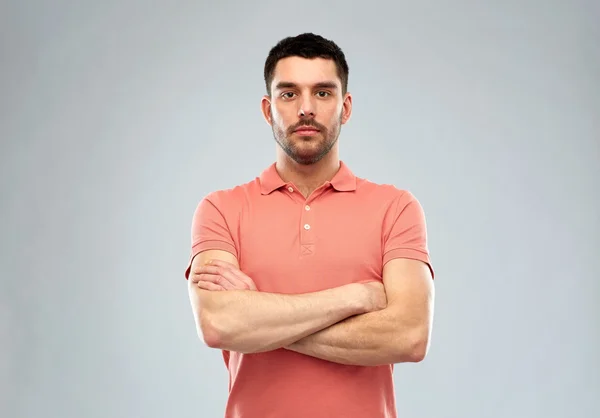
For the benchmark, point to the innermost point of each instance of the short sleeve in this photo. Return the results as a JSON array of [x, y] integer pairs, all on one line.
[[406, 231], [210, 231]]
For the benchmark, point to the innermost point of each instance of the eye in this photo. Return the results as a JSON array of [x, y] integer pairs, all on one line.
[[323, 93], [287, 95]]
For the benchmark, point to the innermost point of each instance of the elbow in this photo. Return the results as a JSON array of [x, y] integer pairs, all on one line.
[[414, 347], [210, 331], [215, 333], [211, 338], [221, 330], [418, 351], [211, 320]]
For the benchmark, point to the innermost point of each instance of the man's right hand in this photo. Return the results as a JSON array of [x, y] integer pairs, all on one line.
[[221, 275]]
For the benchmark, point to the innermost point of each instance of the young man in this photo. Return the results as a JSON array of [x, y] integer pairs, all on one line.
[[313, 282]]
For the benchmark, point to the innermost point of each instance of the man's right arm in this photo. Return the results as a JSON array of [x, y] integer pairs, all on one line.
[[250, 321]]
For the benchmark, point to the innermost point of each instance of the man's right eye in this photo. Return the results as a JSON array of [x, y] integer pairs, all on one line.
[[287, 95]]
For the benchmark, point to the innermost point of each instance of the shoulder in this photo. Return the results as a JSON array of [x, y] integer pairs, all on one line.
[[233, 198], [389, 193]]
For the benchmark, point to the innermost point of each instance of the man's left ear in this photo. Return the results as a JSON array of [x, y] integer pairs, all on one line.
[[347, 108]]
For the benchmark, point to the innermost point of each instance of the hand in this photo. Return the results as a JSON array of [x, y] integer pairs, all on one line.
[[375, 296], [221, 275]]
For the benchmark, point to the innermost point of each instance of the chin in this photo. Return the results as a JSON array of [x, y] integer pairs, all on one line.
[[306, 160], [308, 157]]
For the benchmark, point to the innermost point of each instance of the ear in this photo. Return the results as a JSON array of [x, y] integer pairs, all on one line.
[[265, 106], [346, 108]]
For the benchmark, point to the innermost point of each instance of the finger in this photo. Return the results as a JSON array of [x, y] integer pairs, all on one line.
[[232, 274], [214, 266], [210, 269], [222, 263], [214, 273], [219, 280], [209, 286], [237, 274], [235, 279], [212, 276]]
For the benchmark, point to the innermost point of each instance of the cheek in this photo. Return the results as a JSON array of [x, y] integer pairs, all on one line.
[[334, 112], [276, 116], [280, 119], [333, 117], [277, 122]]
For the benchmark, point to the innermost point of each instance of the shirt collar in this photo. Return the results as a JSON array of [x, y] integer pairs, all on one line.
[[343, 181]]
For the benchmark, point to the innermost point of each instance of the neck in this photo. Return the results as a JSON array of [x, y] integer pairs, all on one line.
[[307, 178]]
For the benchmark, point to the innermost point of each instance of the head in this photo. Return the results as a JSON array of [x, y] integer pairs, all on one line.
[[307, 98]]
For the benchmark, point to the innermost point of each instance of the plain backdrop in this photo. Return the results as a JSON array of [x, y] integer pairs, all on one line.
[[117, 117]]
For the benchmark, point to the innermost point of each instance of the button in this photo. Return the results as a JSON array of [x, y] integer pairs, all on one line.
[[307, 207], [306, 226], [291, 189]]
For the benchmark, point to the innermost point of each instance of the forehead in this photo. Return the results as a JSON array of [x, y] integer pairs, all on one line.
[[305, 71]]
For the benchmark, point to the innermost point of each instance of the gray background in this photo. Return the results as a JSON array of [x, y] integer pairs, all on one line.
[[116, 117]]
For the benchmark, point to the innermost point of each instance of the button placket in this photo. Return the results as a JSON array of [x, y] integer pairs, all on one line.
[[307, 232]]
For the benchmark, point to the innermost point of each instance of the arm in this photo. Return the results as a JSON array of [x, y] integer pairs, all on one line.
[[249, 321], [398, 333]]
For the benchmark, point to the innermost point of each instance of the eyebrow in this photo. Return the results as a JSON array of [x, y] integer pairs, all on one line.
[[322, 85]]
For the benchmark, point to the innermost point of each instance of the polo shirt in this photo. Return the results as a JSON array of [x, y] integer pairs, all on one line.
[[344, 232]]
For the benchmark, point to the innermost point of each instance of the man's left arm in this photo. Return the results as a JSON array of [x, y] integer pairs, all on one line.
[[398, 333]]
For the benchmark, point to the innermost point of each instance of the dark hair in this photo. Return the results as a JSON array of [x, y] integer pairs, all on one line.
[[306, 45]]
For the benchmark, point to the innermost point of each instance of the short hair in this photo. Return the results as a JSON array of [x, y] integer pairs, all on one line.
[[306, 45]]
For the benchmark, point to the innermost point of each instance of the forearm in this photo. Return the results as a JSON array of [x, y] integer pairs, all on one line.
[[371, 339], [252, 321]]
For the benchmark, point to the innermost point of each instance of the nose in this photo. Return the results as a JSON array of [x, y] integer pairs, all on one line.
[[307, 108]]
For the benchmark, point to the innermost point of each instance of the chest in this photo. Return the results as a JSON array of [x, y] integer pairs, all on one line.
[[302, 247]]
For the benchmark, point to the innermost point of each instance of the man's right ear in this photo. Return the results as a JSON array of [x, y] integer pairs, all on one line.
[[265, 106]]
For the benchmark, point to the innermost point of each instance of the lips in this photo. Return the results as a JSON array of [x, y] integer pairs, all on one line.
[[306, 129]]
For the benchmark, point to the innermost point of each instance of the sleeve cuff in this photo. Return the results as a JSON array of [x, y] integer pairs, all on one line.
[[411, 253]]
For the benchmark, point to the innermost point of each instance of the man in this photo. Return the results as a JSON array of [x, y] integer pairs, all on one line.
[[313, 282]]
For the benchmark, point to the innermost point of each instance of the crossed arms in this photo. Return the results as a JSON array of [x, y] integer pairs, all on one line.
[[357, 324]]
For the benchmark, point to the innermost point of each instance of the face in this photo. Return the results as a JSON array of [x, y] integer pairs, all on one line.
[[306, 108]]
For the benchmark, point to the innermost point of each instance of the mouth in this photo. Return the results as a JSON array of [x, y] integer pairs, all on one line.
[[306, 131]]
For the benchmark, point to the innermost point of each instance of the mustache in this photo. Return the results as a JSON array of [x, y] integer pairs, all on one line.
[[310, 124]]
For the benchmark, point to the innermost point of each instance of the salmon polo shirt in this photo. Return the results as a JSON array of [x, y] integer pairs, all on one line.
[[344, 232]]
